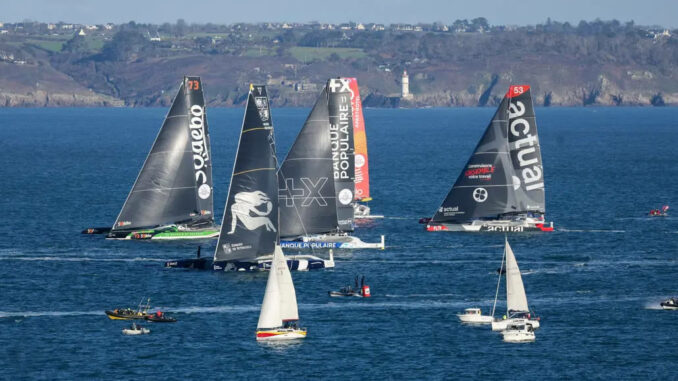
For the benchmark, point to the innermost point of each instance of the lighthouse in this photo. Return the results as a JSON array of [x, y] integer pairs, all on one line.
[[405, 92]]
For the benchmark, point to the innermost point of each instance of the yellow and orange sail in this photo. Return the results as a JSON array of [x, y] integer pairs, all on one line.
[[362, 174]]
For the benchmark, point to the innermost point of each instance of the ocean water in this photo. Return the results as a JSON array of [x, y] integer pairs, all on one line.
[[596, 281]]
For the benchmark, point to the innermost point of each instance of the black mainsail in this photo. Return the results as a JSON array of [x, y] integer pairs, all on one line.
[[250, 225], [307, 192], [504, 174], [174, 185], [343, 153]]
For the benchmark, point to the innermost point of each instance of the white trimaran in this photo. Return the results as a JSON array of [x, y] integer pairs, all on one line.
[[279, 313], [517, 310]]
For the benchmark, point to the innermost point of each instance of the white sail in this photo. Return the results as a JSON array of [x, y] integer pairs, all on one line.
[[516, 300], [270, 308], [288, 297]]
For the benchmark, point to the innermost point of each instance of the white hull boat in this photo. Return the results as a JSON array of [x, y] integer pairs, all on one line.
[[503, 324], [522, 334], [136, 330], [508, 225], [474, 316], [331, 241]]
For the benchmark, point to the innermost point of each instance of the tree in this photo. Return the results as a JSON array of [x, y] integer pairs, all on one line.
[[124, 45]]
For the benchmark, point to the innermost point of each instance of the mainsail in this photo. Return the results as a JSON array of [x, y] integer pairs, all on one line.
[[516, 300], [362, 170], [250, 224], [504, 173], [280, 300], [307, 193], [341, 137], [175, 183]]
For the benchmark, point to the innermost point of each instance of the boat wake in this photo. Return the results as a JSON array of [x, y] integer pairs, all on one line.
[[6, 314], [81, 259], [591, 230]]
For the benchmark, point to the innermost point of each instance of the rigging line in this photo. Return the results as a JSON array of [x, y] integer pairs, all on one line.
[[156, 189], [256, 128], [496, 294], [253, 170]]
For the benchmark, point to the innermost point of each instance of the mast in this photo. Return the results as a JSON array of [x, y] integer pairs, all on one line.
[[175, 183], [307, 192], [362, 170], [341, 137], [250, 224]]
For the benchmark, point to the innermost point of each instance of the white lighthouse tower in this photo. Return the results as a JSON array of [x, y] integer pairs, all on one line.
[[405, 92]]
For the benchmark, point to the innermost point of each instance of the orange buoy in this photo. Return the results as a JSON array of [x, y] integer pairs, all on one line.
[[366, 291]]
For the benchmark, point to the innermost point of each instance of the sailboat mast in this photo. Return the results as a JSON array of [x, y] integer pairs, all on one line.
[[501, 269]]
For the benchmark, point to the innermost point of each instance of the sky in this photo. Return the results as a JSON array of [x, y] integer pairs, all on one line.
[[497, 12]]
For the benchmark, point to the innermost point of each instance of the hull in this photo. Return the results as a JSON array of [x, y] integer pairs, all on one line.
[[337, 294], [670, 305], [166, 234], [502, 226], [475, 319], [125, 316], [133, 332], [515, 336], [369, 217], [331, 242], [501, 325], [280, 334]]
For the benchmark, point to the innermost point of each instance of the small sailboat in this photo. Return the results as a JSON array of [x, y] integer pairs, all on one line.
[[279, 315], [517, 309], [501, 188], [317, 181], [474, 316], [136, 329], [172, 196], [361, 209]]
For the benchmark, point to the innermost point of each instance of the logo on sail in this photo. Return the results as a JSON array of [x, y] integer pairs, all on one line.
[[310, 193], [345, 196], [262, 107], [526, 143], [247, 209], [199, 148], [480, 194]]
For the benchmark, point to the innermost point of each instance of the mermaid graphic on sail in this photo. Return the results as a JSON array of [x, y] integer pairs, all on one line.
[[246, 210]]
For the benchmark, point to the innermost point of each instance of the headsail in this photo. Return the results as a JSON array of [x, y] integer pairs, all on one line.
[[341, 136], [269, 317], [516, 300], [305, 178], [250, 225], [504, 173], [362, 170], [288, 297], [175, 182]]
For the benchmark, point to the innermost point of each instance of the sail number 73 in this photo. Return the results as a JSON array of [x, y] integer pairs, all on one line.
[[193, 85]]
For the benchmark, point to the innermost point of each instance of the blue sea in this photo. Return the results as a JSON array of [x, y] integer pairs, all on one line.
[[596, 281]]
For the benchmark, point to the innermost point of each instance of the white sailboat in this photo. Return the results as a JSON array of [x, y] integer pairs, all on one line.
[[279, 314], [517, 310]]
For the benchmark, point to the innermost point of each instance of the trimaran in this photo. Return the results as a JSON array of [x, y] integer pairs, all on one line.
[[172, 195], [502, 185], [317, 178]]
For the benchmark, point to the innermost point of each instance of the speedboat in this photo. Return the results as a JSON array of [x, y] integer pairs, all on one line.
[[670, 304], [160, 317], [126, 314], [136, 330], [362, 292], [518, 333], [474, 316]]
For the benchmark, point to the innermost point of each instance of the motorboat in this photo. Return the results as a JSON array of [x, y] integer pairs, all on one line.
[[518, 333], [670, 304], [474, 316], [128, 313], [160, 317], [361, 292], [663, 212], [503, 323], [136, 329]]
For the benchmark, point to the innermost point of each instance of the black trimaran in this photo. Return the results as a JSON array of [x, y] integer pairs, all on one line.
[[317, 178], [250, 229], [502, 185], [172, 195]]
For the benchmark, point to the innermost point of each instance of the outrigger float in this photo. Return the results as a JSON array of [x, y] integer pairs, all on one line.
[[172, 197], [501, 188]]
